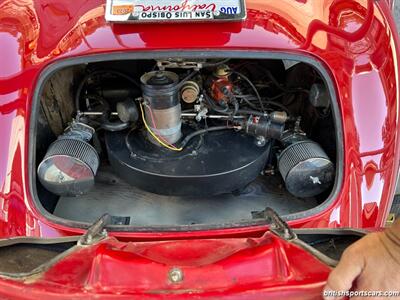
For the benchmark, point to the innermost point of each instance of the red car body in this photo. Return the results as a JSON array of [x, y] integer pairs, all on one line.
[[356, 42]]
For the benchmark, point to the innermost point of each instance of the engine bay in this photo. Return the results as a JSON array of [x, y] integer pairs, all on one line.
[[187, 129]]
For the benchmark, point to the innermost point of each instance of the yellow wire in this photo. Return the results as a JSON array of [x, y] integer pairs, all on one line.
[[154, 135]]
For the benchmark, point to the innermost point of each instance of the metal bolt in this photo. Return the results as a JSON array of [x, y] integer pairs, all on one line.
[[60, 177], [286, 234], [175, 275], [260, 141]]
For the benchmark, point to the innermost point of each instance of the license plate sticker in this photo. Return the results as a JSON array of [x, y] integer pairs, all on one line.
[[136, 11]]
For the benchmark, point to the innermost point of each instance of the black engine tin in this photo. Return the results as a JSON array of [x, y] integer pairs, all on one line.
[[215, 163]]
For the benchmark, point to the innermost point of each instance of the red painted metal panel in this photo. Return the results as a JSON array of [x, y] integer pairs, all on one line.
[[355, 40], [243, 268]]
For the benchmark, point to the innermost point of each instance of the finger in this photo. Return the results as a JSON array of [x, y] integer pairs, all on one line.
[[342, 277]]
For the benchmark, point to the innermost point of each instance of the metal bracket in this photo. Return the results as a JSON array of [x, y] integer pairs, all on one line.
[[277, 224], [96, 231], [282, 229], [179, 64]]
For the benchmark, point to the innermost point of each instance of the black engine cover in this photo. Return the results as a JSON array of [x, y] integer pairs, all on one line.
[[215, 163]]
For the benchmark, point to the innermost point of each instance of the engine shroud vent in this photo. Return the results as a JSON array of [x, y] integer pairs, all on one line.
[[215, 163]]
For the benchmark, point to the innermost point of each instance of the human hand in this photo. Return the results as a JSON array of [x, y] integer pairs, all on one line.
[[370, 264]]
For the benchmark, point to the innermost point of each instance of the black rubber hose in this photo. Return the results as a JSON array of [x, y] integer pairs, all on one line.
[[236, 108], [247, 101], [182, 82], [85, 79], [105, 122], [274, 81], [252, 112], [201, 131], [229, 112], [281, 106], [284, 89], [252, 86], [274, 103], [233, 100], [214, 107], [210, 65], [114, 126]]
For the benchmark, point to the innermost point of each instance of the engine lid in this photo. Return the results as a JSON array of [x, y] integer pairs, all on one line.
[[274, 265], [241, 267]]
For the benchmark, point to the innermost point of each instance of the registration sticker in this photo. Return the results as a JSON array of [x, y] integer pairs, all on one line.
[[133, 11]]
